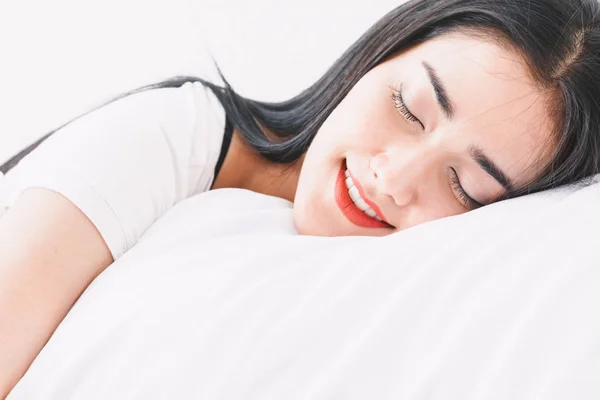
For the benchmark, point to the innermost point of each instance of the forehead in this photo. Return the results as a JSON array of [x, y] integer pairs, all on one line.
[[498, 106]]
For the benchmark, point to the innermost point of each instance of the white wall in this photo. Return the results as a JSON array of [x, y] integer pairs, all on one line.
[[59, 58]]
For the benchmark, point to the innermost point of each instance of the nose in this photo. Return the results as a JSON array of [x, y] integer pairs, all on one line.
[[402, 174]]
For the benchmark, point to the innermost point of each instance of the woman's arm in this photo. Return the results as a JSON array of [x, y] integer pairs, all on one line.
[[49, 253]]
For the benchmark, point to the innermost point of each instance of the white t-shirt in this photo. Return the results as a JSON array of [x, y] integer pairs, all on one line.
[[125, 164]]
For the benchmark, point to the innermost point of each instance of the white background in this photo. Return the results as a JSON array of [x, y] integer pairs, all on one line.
[[60, 58]]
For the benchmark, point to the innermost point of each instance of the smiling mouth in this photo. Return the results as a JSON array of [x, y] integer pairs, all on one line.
[[353, 204]]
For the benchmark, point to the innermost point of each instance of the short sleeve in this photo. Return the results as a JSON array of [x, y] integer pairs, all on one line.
[[125, 164]]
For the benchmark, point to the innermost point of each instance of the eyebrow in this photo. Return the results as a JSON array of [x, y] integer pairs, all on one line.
[[490, 167], [440, 91]]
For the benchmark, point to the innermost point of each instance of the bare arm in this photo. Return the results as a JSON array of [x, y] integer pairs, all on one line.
[[49, 253]]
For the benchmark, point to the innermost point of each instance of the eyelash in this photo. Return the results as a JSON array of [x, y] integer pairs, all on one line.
[[460, 191], [401, 106]]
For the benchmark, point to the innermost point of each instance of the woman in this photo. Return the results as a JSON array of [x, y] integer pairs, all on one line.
[[440, 108]]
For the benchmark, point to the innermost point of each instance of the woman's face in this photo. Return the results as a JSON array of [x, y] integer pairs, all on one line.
[[438, 130]]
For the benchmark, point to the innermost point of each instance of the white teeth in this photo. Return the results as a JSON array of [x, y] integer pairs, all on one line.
[[361, 204], [354, 195], [371, 213], [357, 199]]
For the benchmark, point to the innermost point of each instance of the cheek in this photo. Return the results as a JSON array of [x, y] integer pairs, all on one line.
[[312, 212], [353, 127], [351, 130], [302, 219], [314, 216]]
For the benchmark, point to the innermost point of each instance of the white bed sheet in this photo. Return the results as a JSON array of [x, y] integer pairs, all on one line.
[[500, 303]]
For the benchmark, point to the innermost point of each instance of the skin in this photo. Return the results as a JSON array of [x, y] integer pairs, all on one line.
[[406, 166]]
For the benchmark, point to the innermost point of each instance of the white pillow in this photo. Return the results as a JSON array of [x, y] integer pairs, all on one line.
[[222, 300]]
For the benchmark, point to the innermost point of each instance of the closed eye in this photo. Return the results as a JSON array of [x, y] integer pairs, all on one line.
[[402, 107], [467, 201]]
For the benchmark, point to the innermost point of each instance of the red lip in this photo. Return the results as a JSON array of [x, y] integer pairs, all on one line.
[[349, 209]]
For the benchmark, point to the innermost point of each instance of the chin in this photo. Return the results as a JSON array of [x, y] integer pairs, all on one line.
[[307, 226], [308, 223], [312, 224]]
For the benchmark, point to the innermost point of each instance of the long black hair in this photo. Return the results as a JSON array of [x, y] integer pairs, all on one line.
[[558, 39]]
